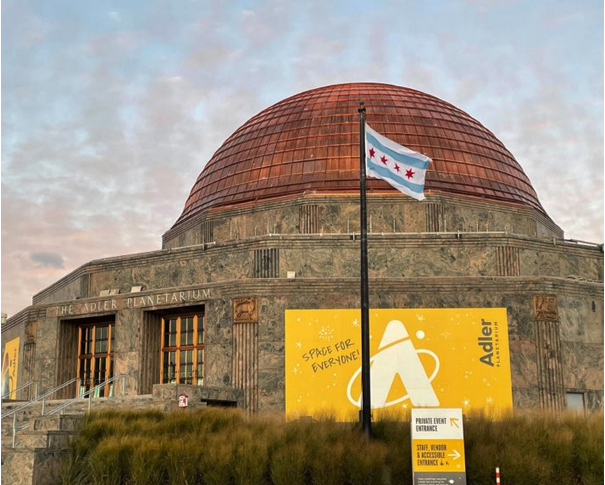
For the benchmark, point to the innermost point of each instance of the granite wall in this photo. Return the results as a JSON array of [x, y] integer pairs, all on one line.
[[327, 256], [340, 215], [579, 328], [415, 262]]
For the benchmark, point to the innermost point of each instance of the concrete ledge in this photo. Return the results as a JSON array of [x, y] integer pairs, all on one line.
[[199, 396]]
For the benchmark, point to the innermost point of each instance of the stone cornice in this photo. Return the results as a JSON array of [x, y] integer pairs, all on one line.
[[305, 241], [314, 286]]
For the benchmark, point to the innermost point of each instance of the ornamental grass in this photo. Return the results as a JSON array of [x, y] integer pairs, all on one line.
[[224, 447]]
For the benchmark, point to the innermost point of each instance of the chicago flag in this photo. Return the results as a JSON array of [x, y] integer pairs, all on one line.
[[401, 167]]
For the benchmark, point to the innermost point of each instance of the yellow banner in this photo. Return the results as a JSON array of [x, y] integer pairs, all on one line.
[[456, 358], [10, 367]]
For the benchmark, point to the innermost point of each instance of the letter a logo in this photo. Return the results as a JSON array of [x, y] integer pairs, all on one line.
[[397, 356]]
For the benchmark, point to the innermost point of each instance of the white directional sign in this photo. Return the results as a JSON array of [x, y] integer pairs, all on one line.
[[438, 447]]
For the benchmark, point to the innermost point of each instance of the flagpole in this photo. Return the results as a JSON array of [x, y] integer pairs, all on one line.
[[366, 411]]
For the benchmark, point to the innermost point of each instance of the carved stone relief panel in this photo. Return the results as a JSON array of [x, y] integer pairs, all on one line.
[[545, 308], [245, 310]]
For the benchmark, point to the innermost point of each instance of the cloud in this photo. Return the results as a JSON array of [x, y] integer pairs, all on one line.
[[109, 117], [49, 260], [115, 16]]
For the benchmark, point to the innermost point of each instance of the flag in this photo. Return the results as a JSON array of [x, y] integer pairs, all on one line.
[[401, 167]]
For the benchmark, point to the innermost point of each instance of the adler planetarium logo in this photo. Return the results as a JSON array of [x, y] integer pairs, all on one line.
[[398, 358]]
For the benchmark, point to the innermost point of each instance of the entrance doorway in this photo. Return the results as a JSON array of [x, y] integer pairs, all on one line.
[[96, 357]]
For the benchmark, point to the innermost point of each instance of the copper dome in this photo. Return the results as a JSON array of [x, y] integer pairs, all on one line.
[[310, 143]]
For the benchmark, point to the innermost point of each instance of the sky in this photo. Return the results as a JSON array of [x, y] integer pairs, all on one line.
[[111, 109]]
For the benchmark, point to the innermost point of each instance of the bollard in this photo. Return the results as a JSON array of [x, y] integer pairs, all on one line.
[[497, 475]]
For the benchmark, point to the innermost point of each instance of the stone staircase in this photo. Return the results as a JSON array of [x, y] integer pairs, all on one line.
[[41, 447]]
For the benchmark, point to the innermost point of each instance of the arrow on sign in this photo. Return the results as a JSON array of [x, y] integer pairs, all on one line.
[[454, 422], [455, 454]]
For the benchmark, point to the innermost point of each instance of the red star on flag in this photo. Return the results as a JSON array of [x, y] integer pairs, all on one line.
[[372, 153], [409, 173], [397, 168], [383, 159]]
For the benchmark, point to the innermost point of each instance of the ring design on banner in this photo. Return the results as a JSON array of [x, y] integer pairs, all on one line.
[[397, 356]]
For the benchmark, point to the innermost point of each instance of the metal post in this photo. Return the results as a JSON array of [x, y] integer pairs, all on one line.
[[36, 391], [123, 385], [14, 428], [43, 405], [366, 411]]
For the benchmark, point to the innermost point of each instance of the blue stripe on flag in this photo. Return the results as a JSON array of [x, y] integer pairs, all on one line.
[[400, 157], [385, 173]]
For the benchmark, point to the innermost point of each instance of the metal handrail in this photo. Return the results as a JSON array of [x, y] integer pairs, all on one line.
[[90, 393], [20, 388], [40, 398]]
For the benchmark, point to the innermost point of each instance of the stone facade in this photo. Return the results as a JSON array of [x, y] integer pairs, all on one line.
[[246, 266], [340, 215]]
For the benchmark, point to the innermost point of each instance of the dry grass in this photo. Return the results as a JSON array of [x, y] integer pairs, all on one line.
[[223, 447]]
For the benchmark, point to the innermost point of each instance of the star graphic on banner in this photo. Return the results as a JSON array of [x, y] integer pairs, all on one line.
[[397, 168], [372, 153], [409, 173], [383, 159]]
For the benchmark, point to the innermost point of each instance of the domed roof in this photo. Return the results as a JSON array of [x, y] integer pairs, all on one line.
[[310, 143]]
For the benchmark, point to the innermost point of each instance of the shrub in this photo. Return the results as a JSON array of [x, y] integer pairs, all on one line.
[[327, 464], [147, 465], [250, 457], [223, 447], [365, 461], [398, 462], [215, 460], [288, 464], [72, 471], [182, 456], [108, 463]]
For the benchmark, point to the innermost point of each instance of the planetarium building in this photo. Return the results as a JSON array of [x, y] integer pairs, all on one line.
[[477, 299]]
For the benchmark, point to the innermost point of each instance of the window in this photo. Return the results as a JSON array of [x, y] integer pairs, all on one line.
[[95, 357], [183, 349], [575, 401]]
